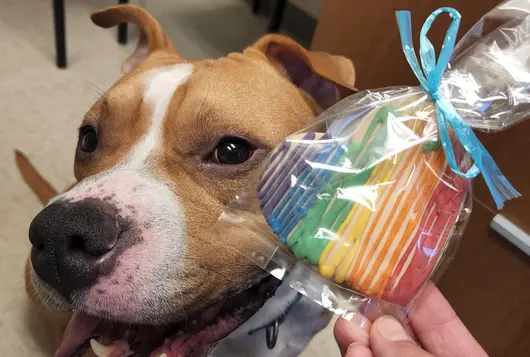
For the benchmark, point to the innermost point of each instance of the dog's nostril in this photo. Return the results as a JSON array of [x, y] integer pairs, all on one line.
[[77, 243]]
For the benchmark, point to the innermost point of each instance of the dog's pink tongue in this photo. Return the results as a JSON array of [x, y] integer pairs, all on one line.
[[78, 331], [197, 344]]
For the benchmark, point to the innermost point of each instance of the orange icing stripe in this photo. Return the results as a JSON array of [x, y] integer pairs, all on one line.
[[355, 276], [357, 230], [423, 192], [402, 213], [352, 240], [388, 171]]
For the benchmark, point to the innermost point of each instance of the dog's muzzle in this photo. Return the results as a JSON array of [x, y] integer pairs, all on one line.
[[72, 243]]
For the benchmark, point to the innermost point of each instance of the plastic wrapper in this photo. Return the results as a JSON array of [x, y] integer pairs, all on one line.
[[369, 202]]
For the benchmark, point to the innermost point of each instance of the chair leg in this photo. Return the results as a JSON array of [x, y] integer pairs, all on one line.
[[60, 33], [256, 5], [122, 28], [277, 16]]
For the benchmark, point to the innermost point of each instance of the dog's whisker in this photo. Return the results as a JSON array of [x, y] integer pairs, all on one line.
[[215, 272], [98, 90], [212, 106], [179, 285], [203, 102]]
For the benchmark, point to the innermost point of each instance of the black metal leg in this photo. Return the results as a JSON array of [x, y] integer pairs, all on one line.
[[122, 28], [256, 5], [277, 15], [60, 36]]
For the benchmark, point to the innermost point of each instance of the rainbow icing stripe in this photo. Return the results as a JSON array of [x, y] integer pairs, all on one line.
[[381, 223]]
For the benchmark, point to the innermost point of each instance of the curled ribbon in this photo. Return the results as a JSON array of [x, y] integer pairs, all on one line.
[[430, 75]]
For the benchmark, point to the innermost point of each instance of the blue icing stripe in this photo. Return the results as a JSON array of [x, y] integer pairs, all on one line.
[[286, 204], [317, 179]]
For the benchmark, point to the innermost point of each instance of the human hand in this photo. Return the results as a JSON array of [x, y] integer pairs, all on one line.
[[435, 331]]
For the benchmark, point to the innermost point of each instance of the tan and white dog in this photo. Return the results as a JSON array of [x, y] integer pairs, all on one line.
[[129, 248]]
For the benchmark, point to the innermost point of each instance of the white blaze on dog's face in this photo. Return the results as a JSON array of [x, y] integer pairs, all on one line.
[[158, 156]]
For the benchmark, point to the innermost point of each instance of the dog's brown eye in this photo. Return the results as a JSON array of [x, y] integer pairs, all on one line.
[[88, 140], [232, 152]]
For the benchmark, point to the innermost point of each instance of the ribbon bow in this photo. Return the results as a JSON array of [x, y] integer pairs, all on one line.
[[430, 75]]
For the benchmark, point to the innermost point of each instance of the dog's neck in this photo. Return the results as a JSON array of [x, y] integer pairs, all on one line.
[[297, 319]]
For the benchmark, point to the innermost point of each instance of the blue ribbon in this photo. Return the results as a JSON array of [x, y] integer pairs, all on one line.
[[430, 75]]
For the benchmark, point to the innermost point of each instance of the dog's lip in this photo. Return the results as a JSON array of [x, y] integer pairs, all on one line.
[[188, 338]]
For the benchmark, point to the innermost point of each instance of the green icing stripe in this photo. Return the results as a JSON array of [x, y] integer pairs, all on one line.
[[302, 241], [431, 146]]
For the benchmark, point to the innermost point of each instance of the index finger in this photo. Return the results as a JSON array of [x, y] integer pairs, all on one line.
[[439, 329]]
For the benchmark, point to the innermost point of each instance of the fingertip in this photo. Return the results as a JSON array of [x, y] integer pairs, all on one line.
[[388, 338], [358, 349], [347, 332], [388, 328]]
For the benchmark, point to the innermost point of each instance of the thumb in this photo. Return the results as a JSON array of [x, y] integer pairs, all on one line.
[[389, 339]]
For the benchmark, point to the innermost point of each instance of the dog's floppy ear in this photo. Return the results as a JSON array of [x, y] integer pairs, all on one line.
[[152, 37], [323, 76]]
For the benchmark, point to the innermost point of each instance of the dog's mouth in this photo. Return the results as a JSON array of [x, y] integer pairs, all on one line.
[[194, 336]]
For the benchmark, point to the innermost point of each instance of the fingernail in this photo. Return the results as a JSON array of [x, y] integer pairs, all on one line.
[[360, 321], [391, 329], [358, 327]]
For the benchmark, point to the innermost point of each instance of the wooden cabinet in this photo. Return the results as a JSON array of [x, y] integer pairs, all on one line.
[[488, 283], [366, 31]]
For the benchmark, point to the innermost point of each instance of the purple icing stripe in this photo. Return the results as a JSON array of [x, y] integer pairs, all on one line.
[[303, 196], [277, 174], [313, 182], [278, 191], [266, 174], [303, 176], [293, 166]]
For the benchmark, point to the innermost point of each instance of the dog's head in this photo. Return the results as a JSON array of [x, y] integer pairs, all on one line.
[[158, 156]]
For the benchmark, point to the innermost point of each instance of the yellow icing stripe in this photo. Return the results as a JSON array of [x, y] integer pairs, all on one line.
[[327, 269], [336, 250], [378, 224], [341, 230], [360, 225], [329, 262], [364, 239]]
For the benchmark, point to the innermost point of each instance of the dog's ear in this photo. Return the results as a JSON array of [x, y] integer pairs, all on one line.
[[152, 37], [323, 76]]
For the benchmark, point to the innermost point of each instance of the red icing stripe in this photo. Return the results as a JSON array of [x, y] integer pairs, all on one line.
[[441, 213], [447, 205]]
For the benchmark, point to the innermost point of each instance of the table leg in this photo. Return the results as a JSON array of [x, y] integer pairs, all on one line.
[[122, 28], [60, 33], [277, 16], [256, 5]]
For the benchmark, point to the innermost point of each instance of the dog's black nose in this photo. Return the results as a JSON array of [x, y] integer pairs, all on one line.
[[70, 243]]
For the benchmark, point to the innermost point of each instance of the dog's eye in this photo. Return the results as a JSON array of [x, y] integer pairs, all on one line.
[[232, 151], [88, 139]]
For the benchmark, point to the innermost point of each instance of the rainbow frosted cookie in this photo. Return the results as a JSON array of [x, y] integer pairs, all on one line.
[[373, 209]]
